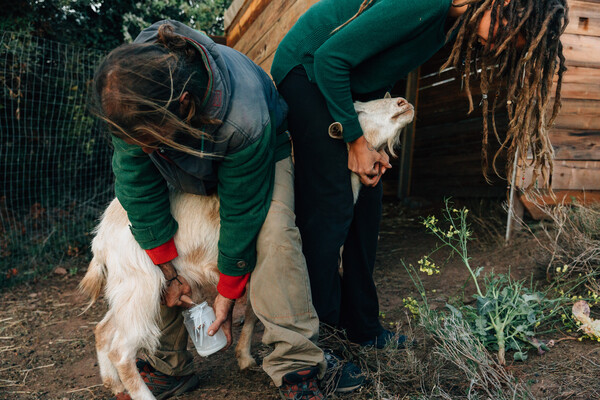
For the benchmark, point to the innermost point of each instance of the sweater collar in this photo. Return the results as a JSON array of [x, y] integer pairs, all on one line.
[[215, 102]]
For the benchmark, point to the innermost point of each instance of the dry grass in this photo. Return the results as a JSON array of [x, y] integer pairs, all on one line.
[[571, 239], [448, 362], [481, 376]]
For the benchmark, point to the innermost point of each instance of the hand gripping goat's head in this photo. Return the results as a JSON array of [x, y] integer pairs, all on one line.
[[381, 120]]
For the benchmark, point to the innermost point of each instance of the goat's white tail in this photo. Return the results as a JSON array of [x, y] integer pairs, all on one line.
[[92, 283]]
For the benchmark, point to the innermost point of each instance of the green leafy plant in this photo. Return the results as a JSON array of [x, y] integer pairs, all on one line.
[[506, 312], [507, 316]]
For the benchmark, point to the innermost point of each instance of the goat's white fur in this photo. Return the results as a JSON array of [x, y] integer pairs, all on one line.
[[133, 284]]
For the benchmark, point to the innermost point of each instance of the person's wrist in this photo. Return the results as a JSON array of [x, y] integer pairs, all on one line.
[[168, 271], [227, 298], [357, 141]]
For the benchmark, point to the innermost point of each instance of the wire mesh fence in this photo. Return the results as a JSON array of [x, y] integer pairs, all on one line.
[[54, 156]]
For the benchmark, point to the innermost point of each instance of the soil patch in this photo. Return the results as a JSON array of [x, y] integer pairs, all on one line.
[[47, 344]]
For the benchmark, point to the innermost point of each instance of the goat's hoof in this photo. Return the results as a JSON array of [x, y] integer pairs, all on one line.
[[245, 362]]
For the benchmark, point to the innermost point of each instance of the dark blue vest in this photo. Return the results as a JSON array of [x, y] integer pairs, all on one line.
[[242, 97]]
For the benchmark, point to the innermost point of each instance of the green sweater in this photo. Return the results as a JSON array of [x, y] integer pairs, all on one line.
[[245, 188], [388, 40]]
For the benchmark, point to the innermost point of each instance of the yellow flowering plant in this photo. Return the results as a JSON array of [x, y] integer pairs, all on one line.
[[507, 312]]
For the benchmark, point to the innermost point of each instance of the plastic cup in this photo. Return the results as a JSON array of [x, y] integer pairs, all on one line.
[[197, 320]]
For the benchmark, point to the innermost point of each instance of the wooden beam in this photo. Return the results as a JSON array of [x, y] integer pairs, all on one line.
[[514, 223], [568, 175], [246, 19], [232, 12], [408, 139], [534, 202]]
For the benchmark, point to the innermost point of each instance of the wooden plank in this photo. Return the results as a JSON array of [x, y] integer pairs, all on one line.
[[587, 91], [533, 201], [575, 144], [408, 138], [584, 18], [581, 75], [580, 107], [263, 24], [247, 18], [580, 83], [232, 11], [581, 50], [568, 174], [265, 46], [573, 121]]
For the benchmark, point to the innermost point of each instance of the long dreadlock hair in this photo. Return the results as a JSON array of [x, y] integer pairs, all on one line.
[[520, 76]]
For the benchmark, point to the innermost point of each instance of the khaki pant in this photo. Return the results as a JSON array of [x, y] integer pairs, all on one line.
[[279, 294]]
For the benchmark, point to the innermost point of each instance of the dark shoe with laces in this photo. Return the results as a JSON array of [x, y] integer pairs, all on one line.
[[340, 376], [385, 337], [301, 385], [161, 385]]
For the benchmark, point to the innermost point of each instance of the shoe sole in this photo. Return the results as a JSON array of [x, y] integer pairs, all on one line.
[[348, 389], [185, 386], [285, 398]]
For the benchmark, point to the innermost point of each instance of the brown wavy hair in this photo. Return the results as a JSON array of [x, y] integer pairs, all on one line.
[[520, 77], [137, 88]]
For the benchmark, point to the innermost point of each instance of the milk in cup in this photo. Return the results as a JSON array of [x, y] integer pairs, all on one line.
[[197, 320]]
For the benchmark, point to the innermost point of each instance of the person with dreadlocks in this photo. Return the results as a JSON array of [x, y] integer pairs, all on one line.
[[343, 50], [190, 115]]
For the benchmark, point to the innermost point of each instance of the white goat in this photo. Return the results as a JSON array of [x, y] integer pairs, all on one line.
[[133, 284], [382, 122]]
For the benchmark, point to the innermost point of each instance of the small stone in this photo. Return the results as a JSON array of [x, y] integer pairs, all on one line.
[[60, 271]]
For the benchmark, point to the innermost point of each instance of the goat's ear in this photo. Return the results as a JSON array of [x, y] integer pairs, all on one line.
[[335, 130], [388, 95]]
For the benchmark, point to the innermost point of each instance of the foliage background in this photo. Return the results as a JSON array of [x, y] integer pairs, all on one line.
[[104, 24]]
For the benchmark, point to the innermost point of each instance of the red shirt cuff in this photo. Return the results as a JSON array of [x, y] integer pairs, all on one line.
[[232, 287], [163, 253]]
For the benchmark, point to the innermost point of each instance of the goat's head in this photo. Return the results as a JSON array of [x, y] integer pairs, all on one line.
[[381, 120]]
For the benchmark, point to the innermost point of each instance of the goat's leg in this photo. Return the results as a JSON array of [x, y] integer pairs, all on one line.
[[242, 350], [105, 332], [123, 358]]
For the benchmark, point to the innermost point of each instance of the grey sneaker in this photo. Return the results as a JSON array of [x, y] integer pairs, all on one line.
[[341, 376]]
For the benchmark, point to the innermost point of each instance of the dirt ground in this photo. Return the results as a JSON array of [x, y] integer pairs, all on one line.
[[47, 345]]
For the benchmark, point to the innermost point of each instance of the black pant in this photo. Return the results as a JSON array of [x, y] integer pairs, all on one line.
[[327, 218]]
